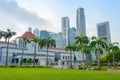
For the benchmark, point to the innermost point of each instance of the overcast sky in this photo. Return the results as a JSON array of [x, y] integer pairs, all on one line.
[[18, 15]]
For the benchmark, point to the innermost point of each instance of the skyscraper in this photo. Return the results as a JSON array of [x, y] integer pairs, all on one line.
[[72, 35], [53, 35], [65, 28], [80, 21], [44, 34], [36, 32], [29, 29], [60, 42], [103, 29]]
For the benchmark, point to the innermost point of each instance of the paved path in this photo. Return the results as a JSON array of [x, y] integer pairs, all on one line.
[[113, 70]]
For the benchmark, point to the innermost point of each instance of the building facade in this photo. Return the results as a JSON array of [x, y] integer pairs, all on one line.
[[65, 25], [54, 35], [44, 34], [60, 43], [36, 32], [29, 29], [80, 21], [15, 51], [72, 35], [103, 29]]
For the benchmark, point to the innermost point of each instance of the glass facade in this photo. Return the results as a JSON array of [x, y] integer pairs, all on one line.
[[104, 30], [80, 21]]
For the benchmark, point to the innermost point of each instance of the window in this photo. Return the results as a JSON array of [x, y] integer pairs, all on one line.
[[66, 57], [63, 57]]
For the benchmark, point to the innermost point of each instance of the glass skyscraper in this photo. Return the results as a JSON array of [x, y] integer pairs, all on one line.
[[103, 29], [36, 32], [72, 35], [44, 34], [65, 29], [80, 21]]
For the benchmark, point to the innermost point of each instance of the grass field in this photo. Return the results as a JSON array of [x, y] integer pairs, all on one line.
[[55, 74]]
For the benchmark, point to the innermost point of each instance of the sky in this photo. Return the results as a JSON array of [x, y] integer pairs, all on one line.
[[18, 15]]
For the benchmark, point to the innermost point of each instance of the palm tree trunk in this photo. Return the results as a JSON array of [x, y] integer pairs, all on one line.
[[47, 57], [96, 60], [99, 66], [71, 59], [109, 64], [74, 60], [86, 56], [22, 56], [5, 40], [34, 55], [113, 60], [83, 62], [7, 54]]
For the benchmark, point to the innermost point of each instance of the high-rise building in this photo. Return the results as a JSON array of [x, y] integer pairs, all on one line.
[[72, 35], [44, 34], [36, 32], [64, 28], [60, 43], [103, 29], [29, 29], [80, 21], [54, 35]]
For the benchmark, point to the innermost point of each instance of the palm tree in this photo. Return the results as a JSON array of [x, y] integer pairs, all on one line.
[[112, 47], [48, 43], [98, 44], [36, 41], [1, 34], [7, 35], [25, 41], [71, 48], [81, 40], [86, 49]]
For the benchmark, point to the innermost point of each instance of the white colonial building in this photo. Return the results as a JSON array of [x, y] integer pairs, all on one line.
[[15, 50]]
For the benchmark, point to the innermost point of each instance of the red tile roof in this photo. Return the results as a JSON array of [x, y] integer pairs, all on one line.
[[28, 35], [59, 48]]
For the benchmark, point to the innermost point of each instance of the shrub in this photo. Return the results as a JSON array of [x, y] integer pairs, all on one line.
[[101, 69], [81, 66]]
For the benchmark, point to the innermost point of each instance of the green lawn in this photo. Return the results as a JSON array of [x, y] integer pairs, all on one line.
[[55, 74]]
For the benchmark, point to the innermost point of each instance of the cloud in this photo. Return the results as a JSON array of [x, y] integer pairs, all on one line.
[[13, 16]]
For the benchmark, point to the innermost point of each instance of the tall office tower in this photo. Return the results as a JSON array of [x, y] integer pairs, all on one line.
[[60, 43], [103, 29], [80, 21], [64, 28], [54, 35], [44, 34], [29, 29], [36, 32], [72, 35]]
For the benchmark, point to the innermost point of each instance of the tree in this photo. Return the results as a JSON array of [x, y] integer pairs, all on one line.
[[36, 41], [48, 43], [80, 41], [1, 34], [109, 56], [112, 47], [75, 58], [98, 44], [86, 49], [71, 48], [25, 41], [7, 35], [103, 58]]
